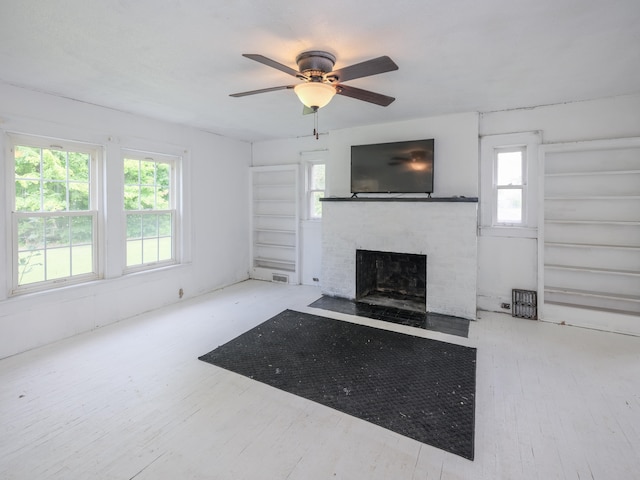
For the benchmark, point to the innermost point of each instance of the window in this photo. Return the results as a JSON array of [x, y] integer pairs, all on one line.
[[150, 210], [508, 184], [54, 213], [315, 189]]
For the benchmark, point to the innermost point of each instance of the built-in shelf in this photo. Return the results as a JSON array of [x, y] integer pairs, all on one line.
[[589, 293], [591, 225], [275, 245], [275, 223], [593, 197], [591, 245], [275, 264], [272, 200], [273, 185], [597, 173], [273, 230], [401, 199], [592, 222], [574, 268]]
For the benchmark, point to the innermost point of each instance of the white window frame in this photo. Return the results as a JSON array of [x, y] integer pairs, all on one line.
[[175, 163], [490, 146], [95, 210], [311, 159], [522, 187]]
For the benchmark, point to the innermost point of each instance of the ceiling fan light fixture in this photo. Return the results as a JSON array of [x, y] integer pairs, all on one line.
[[314, 94]]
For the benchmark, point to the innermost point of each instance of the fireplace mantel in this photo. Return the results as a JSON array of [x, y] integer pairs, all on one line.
[[460, 199]]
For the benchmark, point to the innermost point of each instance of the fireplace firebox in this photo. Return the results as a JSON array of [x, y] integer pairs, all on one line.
[[392, 279]]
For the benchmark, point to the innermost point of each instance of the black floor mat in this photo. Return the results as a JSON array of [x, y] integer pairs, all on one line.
[[429, 321], [421, 388]]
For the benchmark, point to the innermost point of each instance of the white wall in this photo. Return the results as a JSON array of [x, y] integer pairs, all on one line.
[[215, 210], [455, 157], [455, 170], [287, 152], [504, 262], [511, 262], [446, 233]]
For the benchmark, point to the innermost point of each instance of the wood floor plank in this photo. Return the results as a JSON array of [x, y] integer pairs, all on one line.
[[131, 400]]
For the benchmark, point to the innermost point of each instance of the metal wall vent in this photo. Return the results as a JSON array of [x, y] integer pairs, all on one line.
[[279, 278], [524, 304]]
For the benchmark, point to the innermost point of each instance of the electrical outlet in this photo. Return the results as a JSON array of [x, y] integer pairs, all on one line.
[[506, 306], [180, 293]]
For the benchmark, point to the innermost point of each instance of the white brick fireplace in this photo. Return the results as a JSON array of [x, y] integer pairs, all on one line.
[[443, 231]]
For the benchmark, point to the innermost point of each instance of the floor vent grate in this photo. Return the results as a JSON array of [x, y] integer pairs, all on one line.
[[524, 304]]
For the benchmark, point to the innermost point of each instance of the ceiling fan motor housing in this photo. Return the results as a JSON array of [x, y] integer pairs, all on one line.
[[315, 63]]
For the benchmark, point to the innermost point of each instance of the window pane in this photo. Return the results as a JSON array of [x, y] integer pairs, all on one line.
[[147, 198], [58, 263], [147, 173], [164, 225], [78, 196], [82, 259], [162, 198], [150, 250], [509, 168], [54, 196], [134, 226], [316, 205], [30, 266], [27, 196], [27, 162], [57, 231], [54, 165], [165, 249], [30, 233], [509, 206], [134, 252], [131, 197], [131, 172], [317, 177], [163, 171], [149, 226], [82, 230], [78, 166]]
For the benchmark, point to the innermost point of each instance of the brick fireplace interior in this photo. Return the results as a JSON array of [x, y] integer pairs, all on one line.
[[392, 279]]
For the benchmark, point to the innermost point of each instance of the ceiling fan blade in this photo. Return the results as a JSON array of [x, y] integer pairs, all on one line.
[[272, 63], [365, 69], [262, 90], [364, 95]]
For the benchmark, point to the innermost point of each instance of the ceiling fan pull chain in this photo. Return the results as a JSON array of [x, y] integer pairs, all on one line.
[[315, 124]]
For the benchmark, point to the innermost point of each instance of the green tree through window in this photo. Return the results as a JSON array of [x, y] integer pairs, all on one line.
[[148, 204], [53, 212]]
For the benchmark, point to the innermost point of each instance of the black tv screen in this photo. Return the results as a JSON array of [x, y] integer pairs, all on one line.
[[397, 167]]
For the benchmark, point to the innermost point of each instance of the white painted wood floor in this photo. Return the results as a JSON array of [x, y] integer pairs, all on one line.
[[133, 401]]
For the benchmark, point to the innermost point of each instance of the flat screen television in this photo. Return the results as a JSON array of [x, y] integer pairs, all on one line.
[[396, 167]]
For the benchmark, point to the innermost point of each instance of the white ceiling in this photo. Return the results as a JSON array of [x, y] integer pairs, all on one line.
[[178, 60]]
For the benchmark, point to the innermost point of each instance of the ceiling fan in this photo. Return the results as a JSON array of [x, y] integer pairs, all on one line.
[[321, 82]]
